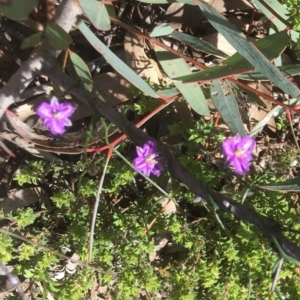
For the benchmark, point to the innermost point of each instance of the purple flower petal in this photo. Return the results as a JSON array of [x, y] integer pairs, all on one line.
[[44, 111], [240, 167], [247, 143], [66, 110], [55, 115], [54, 126], [228, 148], [156, 171], [146, 161], [149, 148], [238, 153], [54, 103], [140, 151]]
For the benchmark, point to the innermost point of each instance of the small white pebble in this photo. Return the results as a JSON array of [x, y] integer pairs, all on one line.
[[226, 203]]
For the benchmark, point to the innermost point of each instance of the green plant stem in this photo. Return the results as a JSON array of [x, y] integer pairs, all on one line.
[[99, 191]]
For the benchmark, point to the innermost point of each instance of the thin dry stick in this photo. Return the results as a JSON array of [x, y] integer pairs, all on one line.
[[157, 215], [96, 205]]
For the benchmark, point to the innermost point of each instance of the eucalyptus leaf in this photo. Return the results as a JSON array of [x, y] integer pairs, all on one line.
[[227, 106], [97, 12], [268, 7], [31, 41], [198, 44], [278, 110], [247, 49], [57, 37], [17, 9], [271, 46], [82, 70], [174, 66], [287, 71], [161, 30], [115, 61], [169, 93]]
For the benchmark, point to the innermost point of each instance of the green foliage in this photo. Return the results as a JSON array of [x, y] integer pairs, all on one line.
[[197, 251], [63, 198], [294, 14], [294, 18], [34, 171], [282, 123], [25, 217], [88, 187], [6, 248], [198, 259], [146, 103]]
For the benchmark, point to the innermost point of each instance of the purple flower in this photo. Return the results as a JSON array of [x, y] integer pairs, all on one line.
[[238, 153], [55, 115], [147, 160]]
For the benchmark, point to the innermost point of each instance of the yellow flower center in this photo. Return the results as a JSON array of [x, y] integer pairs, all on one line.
[[239, 153], [56, 115], [151, 159]]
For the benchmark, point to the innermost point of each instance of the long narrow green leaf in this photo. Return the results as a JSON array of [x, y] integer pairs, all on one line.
[[247, 49], [173, 66], [194, 42], [287, 71], [31, 41], [197, 43], [97, 13], [161, 30], [271, 46], [115, 61], [226, 104], [57, 36], [82, 70], [286, 186]]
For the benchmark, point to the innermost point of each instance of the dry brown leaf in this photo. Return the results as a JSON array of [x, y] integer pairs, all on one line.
[[218, 40], [183, 15], [137, 59], [112, 87], [228, 5], [256, 113], [160, 241], [21, 198], [168, 206]]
